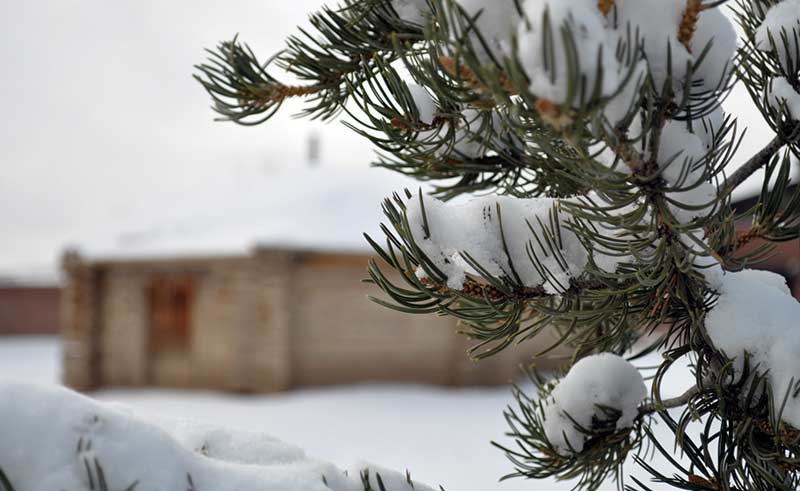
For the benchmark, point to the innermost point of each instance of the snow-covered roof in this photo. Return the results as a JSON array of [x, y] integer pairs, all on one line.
[[30, 276], [313, 208]]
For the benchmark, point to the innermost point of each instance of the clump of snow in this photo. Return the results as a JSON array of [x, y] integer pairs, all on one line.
[[56, 439], [756, 315], [412, 11], [680, 154], [656, 22], [709, 126], [495, 20], [782, 19], [426, 107], [466, 134], [781, 95], [625, 100], [599, 381], [716, 34], [473, 228], [678, 148], [593, 50], [470, 141], [227, 445]]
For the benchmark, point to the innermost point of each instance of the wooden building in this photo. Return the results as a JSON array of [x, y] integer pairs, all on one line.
[[265, 321]]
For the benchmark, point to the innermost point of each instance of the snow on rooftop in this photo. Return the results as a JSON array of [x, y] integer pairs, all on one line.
[[39, 275], [317, 208]]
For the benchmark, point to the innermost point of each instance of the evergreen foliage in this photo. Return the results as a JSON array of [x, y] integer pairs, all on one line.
[[490, 133]]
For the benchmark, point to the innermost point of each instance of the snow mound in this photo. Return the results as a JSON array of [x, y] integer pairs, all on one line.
[[56, 439], [599, 381], [756, 314], [469, 138]]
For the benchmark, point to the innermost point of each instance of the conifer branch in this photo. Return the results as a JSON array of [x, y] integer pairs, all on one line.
[[470, 116], [471, 79]]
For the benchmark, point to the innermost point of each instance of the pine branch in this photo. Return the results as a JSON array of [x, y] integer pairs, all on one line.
[[468, 116], [5, 482], [678, 401]]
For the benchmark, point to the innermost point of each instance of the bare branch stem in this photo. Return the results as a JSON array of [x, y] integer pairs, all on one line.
[[756, 162], [679, 401], [786, 135]]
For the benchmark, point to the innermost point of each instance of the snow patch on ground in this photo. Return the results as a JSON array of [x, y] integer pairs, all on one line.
[[430, 431], [34, 359], [89, 442]]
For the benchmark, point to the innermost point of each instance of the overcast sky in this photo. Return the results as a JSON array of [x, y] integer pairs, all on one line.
[[106, 136]]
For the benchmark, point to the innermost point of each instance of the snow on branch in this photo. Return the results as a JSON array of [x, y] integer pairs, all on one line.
[[602, 390], [583, 425], [527, 240], [56, 439], [780, 33], [756, 316]]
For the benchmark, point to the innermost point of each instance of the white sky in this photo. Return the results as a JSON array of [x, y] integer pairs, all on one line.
[[106, 135]]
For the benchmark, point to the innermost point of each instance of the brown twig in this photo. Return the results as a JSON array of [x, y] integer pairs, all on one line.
[[480, 291], [471, 78], [274, 93], [756, 162], [746, 236], [605, 6], [552, 114], [702, 481], [629, 155], [688, 25]]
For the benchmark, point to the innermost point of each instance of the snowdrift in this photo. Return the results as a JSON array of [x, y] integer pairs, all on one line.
[[53, 438]]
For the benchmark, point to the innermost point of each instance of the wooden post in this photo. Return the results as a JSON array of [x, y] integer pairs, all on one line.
[[80, 329], [270, 362]]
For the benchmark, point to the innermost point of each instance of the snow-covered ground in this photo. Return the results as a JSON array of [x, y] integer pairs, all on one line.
[[441, 435]]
